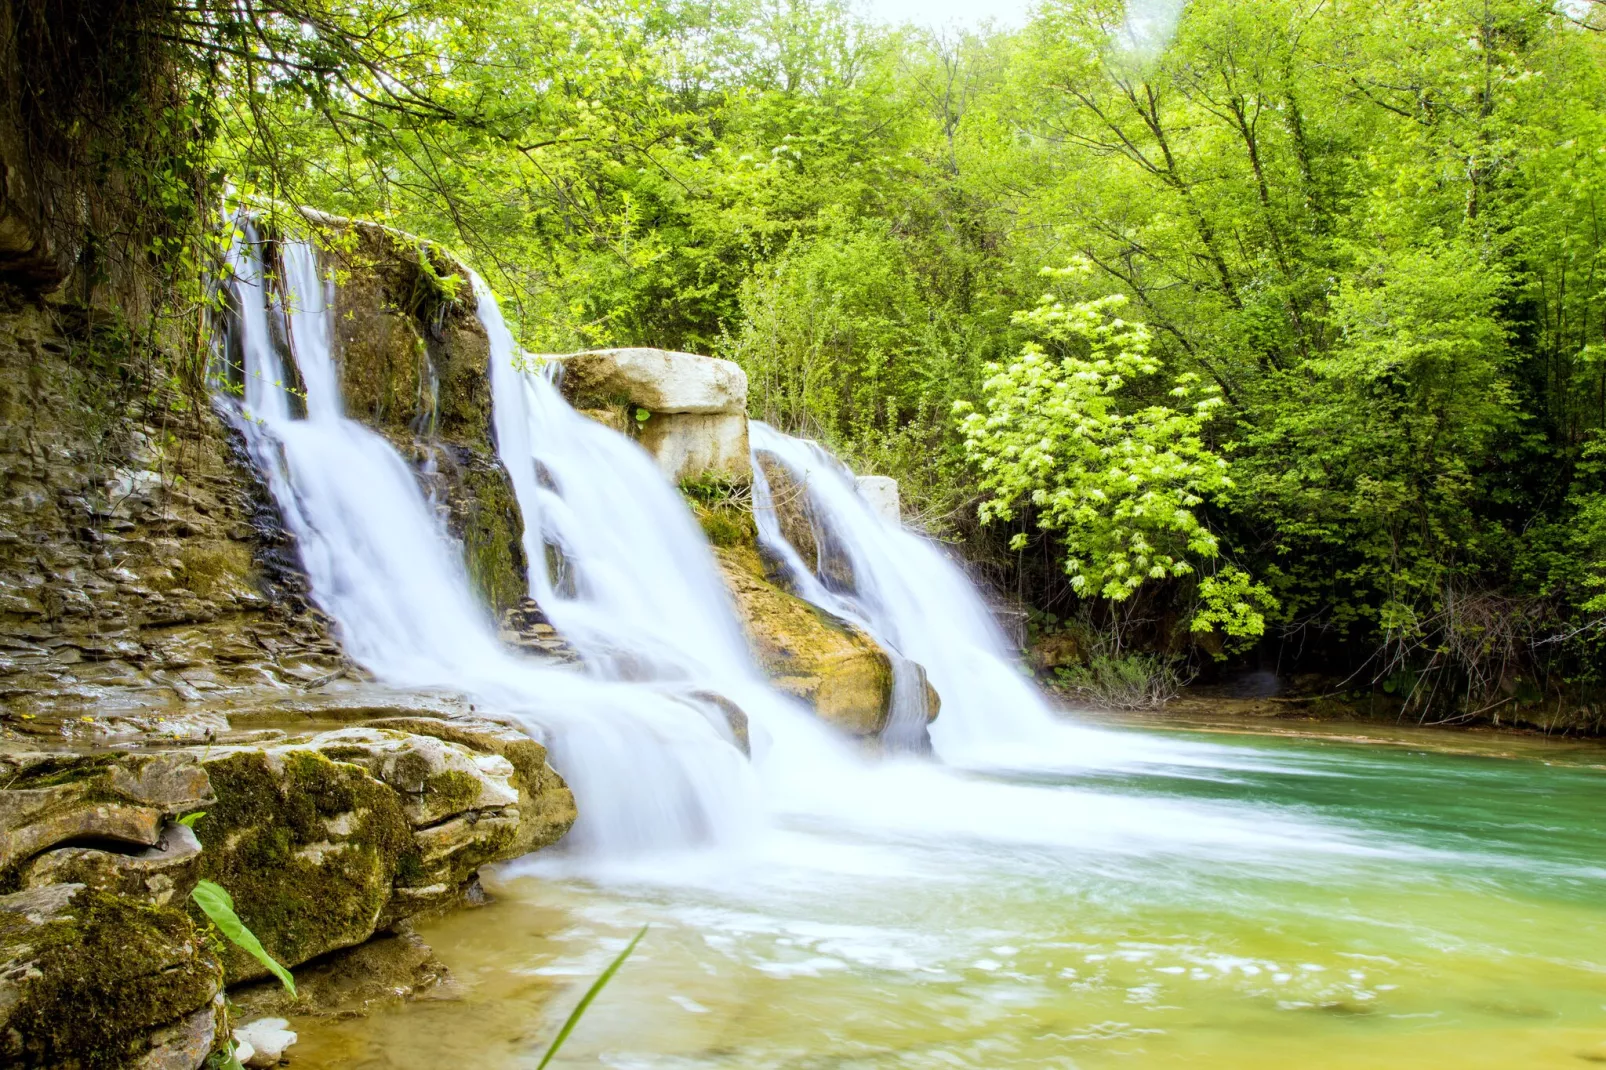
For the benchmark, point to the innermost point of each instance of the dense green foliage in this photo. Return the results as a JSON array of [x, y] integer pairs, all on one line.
[[1331, 366]]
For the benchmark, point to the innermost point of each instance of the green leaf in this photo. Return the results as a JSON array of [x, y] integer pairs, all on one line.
[[189, 820], [216, 904], [642, 416], [585, 1000]]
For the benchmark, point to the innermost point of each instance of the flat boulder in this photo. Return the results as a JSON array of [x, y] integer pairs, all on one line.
[[657, 380]]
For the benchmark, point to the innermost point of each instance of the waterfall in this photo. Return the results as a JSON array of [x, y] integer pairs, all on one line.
[[647, 770], [622, 569], [916, 599]]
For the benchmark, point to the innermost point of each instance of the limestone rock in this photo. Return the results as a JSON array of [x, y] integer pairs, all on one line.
[[691, 446], [161, 874], [269, 1038], [657, 380], [435, 779], [881, 493], [102, 982], [53, 798], [308, 847], [688, 411], [462, 807], [546, 805], [828, 663]]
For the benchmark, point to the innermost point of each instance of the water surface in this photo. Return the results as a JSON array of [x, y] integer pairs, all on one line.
[[1198, 900]]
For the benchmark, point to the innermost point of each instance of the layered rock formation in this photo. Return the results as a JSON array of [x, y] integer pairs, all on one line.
[[141, 561], [323, 839]]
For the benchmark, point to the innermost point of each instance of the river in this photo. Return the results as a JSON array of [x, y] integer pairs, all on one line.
[[1272, 902]]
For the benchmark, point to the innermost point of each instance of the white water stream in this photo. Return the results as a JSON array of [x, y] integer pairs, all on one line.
[[649, 771], [649, 759], [912, 596]]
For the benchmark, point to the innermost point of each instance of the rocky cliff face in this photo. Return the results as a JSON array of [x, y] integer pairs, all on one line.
[[142, 564], [151, 600]]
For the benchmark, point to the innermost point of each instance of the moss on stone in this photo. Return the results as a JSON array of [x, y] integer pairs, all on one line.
[[452, 791], [493, 537], [215, 565], [308, 850], [110, 970]]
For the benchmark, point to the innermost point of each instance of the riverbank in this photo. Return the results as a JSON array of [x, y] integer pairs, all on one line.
[[1204, 712]]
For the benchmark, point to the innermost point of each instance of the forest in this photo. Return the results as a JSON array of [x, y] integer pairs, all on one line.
[[1265, 333]]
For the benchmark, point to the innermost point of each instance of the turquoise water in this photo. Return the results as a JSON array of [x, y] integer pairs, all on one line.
[[1257, 902]]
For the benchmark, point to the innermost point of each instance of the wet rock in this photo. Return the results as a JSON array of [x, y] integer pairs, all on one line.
[[269, 1039], [657, 380], [53, 799], [325, 839], [828, 663], [434, 778], [353, 982], [526, 627], [102, 982]]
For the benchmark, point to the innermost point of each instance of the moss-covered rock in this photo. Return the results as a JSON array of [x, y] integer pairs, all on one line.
[[546, 805], [308, 847], [827, 662], [414, 364], [89, 980]]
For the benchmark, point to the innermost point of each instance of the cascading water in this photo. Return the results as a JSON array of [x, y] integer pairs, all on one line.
[[648, 764], [622, 569], [647, 771], [917, 600]]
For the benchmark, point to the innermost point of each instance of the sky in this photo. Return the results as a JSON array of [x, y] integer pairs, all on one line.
[[940, 13]]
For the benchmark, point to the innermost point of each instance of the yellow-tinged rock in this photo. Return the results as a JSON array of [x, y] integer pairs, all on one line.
[[827, 662]]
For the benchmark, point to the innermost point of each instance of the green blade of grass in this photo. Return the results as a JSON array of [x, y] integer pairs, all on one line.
[[585, 1000]]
